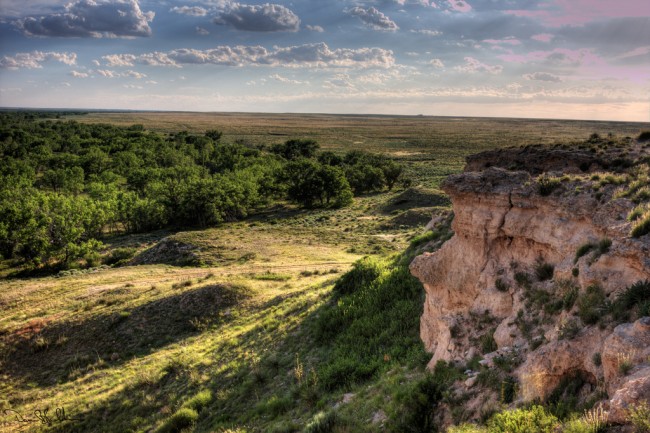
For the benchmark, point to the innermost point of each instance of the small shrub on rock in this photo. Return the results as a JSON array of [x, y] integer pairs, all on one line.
[[592, 305], [533, 420]]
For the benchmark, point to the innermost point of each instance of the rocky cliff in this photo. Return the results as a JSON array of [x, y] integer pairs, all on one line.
[[542, 275]]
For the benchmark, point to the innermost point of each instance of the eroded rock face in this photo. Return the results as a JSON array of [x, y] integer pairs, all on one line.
[[628, 344], [505, 229], [503, 226]]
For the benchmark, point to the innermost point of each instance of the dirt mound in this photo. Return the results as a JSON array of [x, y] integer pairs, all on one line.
[[416, 198], [169, 251]]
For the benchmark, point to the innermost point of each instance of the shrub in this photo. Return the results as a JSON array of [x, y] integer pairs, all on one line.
[[508, 390], [424, 238], [603, 245], [591, 305], [119, 256], [546, 185], [582, 250], [641, 226], [544, 271], [522, 279], [417, 405], [637, 212], [568, 329], [639, 416], [500, 285], [638, 294], [181, 419], [488, 344], [533, 420], [597, 359], [363, 273], [467, 428], [644, 136], [570, 298], [322, 422]]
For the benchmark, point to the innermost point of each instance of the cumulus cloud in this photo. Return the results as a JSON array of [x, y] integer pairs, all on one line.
[[543, 76], [195, 11], [33, 59], [437, 63], [77, 74], [114, 74], [317, 29], [259, 18], [473, 65], [91, 18], [201, 31], [373, 18], [340, 81], [151, 59], [307, 55]]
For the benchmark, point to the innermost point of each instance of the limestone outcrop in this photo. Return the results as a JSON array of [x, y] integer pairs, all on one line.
[[538, 262]]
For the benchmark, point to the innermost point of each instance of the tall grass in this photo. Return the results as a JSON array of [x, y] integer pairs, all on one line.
[[374, 323]]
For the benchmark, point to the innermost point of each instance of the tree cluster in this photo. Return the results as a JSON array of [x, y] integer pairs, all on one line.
[[65, 184]]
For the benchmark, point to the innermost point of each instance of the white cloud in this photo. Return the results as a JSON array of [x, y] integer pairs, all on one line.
[[134, 74], [201, 31], [259, 18], [317, 29], [473, 65], [34, 59], [308, 55], [373, 18], [91, 18], [437, 63], [77, 74], [107, 73], [339, 81], [195, 11]]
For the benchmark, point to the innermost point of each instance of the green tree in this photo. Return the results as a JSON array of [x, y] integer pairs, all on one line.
[[294, 149]]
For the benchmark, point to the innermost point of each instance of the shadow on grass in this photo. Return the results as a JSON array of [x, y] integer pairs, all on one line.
[[53, 353], [240, 392]]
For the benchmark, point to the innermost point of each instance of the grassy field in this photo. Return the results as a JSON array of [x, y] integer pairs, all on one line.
[[431, 147], [231, 343]]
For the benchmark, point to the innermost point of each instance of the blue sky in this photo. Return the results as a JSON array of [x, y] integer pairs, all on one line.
[[581, 59]]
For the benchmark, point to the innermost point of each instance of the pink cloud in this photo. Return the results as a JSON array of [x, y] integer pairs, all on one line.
[[578, 12], [459, 5]]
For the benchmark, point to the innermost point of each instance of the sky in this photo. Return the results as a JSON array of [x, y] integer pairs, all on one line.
[[572, 59]]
